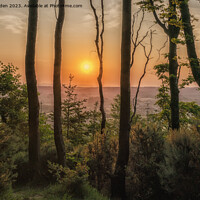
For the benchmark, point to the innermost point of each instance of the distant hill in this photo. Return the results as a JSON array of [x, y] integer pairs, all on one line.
[[146, 97]]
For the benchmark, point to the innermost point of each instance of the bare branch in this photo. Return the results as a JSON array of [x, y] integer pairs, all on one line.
[[179, 72], [162, 25], [103, 27], [164, 45], [135, 41], [147, 55], [55, 10], [97, 28]]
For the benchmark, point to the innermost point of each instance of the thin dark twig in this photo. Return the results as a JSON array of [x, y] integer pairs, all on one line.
[[55, 10], [133, 25], [103, 27], [136, 42], [97, 28], [179, 73], [140, 25], [164, 45], [147, 55]]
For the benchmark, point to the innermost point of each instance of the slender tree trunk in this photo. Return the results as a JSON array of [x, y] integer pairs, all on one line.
[[103, 114], [60, 146], [173, 68], [99, 42], [189, 38], [118, 189], [33, 102], [172, 31]]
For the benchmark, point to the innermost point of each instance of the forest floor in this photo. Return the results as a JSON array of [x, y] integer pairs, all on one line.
[[54, 192]]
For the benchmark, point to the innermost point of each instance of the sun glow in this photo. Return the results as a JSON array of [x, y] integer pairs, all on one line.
[[86, 67]]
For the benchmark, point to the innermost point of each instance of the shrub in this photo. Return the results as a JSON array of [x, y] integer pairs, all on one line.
[[9, 148], [13, 101], [74, 175], [102, 154], [180, 171], [146, 152]]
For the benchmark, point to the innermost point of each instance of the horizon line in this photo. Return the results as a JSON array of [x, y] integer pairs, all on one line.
[[155, 86]]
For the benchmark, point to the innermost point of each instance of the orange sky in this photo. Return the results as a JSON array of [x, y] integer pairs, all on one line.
[[78, 43]]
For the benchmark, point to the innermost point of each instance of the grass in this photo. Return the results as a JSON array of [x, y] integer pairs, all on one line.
[[54, 192]]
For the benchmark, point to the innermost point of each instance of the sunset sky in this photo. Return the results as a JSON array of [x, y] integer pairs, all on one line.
[[79, 52]]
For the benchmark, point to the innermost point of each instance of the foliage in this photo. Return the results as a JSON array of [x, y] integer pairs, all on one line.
[[94, 120], [74, 115], [164, 12], [102, 154], [73, 176], [13, 101], [180, 171], [159, 164], [146, 152], [189, 111], [114, 120], [12, 152], [6, 162], [48, 150], [163, 93], [115, 115], [45, 128], [54, 192], [189, 80]]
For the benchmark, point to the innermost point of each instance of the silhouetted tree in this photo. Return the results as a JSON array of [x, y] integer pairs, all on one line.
[[99, 42], [34, 137], [172, 31], [190, 40], [75, 115], [58, 137], [173, 65], [13, 96], [118, 179]]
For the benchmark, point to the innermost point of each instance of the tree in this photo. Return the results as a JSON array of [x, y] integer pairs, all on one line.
[[189, 111], [94, 120], [163, 97], [33, 102], [173, 65], [189, 39], [118, 179], [171, 18], [60, 146], [13, 101], [115, 114], [99, 47], [75, 115]]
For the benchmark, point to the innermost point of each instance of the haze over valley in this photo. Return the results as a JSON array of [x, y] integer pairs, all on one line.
[[146, 97]]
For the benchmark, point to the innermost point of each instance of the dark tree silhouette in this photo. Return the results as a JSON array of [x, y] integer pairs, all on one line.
[[60, 146], [173, 66], [118, 179], [34, 137], [173, 32], [190, 41], [99, 42]]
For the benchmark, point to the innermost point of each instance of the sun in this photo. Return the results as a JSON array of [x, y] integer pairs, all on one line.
[[86, 67]]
